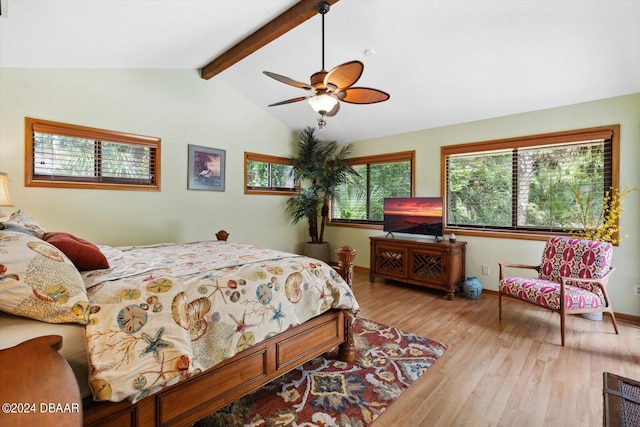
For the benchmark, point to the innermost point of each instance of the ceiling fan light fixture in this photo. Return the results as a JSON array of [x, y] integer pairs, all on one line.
[[323, 103]]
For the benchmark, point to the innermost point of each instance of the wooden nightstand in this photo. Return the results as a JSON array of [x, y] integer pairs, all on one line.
[[38, 385]]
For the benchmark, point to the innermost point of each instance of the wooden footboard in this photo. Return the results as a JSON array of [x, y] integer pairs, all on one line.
[[205, 393]]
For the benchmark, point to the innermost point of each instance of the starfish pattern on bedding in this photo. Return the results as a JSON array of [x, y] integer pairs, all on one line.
[[156, 344], [241, 325], [278, 315]]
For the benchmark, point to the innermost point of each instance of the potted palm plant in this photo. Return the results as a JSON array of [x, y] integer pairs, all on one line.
[[322, 166]]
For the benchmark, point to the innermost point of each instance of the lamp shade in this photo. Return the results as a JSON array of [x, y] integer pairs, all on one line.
[[5, 199]]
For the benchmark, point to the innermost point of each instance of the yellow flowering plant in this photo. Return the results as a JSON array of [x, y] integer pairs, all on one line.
[[594, 219]]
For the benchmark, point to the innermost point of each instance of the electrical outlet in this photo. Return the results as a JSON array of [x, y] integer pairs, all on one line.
[[485, 269], [636, 291]]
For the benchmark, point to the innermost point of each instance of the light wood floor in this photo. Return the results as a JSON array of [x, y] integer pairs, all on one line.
[[509, 373]]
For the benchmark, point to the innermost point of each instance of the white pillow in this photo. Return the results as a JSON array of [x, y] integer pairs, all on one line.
[[20, 221], [38, 281]]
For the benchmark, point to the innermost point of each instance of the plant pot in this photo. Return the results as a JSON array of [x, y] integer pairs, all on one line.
[[318, 251]]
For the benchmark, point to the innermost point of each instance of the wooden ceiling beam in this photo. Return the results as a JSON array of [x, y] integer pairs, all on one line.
[[288, 20]]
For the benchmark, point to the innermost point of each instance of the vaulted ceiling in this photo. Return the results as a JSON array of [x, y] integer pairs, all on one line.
[[442, 62]]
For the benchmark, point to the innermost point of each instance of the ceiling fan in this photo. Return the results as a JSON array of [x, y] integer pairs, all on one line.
[[331, 87]]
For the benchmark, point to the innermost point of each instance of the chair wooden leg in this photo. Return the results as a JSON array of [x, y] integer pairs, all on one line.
[[613, 320], [609, 309], [499, 305], [562, 322]]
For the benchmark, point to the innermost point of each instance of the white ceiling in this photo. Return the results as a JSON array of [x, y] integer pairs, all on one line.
[[443, 62]]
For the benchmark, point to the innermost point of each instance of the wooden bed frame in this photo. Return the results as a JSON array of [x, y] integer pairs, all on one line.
[[188, 401]]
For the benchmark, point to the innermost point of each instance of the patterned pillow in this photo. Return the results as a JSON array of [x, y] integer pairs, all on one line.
[[38, 281], [19, 220]]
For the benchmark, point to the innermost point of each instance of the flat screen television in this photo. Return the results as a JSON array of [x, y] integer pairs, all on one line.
[[413, 215]]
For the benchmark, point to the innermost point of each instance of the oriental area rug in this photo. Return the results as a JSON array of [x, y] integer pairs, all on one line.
[[327, 392]]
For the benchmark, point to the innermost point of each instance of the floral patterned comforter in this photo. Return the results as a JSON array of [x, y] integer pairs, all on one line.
[[162, 313]]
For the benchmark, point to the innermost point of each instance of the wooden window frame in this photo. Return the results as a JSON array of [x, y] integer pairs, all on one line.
[[610, 132], [265, 158], [370, 160], [45, 126]]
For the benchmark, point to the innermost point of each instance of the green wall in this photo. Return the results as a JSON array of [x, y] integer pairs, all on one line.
[[624, 110], [180, 108]]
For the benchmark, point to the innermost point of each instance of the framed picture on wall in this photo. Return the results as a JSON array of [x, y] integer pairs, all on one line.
[[206, 168]]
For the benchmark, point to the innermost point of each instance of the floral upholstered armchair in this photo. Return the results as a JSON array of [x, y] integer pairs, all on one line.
[[572, 279]]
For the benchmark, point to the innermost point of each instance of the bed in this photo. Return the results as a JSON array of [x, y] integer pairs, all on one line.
[[166, 334]]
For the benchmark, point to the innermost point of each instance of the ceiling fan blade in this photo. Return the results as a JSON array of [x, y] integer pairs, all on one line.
[[344, 75], [287, 80], [289, 101], [333, 111], [363, 95]]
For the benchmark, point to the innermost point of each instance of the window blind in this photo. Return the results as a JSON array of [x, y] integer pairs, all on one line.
[[74, 156], [528, 184], [361, 200]]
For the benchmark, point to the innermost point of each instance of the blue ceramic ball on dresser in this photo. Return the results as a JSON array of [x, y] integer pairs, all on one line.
[[472, 287]]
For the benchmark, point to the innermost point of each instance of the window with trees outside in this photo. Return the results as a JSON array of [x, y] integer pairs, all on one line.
[[268, 175], [71, 156], [529, 185], [360, 201]]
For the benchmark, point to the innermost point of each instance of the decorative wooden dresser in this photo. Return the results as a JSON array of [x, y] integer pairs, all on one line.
[[419, 261]]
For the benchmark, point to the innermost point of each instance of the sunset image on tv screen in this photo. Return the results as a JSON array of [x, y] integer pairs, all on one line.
[[414, 215]]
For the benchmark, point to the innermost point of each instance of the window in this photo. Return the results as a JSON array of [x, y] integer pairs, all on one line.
[[361, 200], [71, 156], [268, 175], [527, 185]]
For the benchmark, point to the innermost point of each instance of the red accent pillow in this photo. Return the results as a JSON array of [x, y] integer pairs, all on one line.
[[83, 254]]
